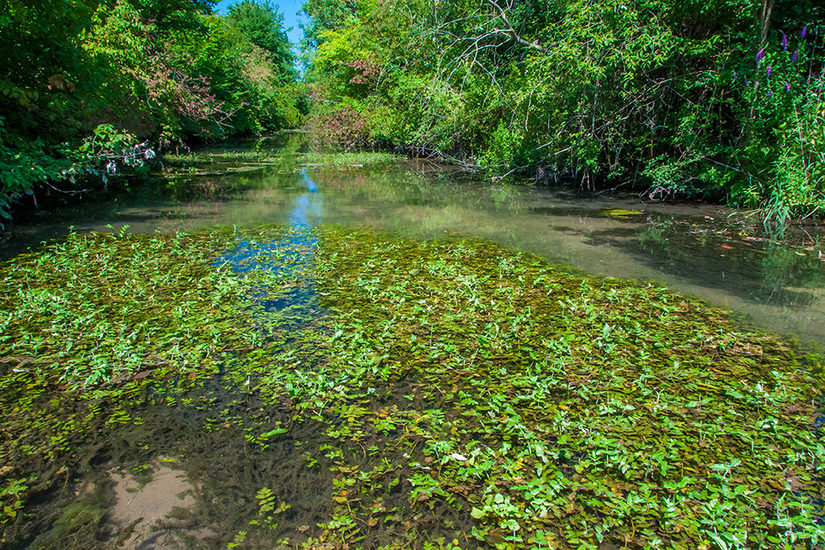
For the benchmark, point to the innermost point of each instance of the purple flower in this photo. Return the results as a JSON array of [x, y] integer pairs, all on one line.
[[768, 72], [804, 32], [795, 56], [760, 55], [769, 93], [787, 87], [735, 76], [784, 41]]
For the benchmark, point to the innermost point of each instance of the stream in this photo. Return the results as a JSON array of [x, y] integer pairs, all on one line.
[[696, 249], [165, 469]]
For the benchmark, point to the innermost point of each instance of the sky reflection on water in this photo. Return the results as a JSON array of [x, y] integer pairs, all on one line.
[[691, 248]]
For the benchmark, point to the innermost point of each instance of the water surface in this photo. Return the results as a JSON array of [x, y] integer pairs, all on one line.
[[172, 476], [701, 250]]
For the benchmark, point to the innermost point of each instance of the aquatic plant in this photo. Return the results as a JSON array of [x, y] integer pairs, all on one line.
[[437, 394]]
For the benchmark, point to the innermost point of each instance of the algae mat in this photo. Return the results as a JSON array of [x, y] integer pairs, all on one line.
[[336, 388]]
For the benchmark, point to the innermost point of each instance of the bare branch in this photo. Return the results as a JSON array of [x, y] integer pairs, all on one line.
[[512, 31]]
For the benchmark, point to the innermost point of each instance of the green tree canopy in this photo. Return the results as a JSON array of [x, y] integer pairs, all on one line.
[[263, 24], [712, 98], [90, 86]]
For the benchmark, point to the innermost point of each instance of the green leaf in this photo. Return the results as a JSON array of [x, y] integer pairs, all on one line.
[[273, 433]]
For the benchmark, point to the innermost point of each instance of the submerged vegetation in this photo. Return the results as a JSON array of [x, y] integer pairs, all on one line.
[[331, 387]]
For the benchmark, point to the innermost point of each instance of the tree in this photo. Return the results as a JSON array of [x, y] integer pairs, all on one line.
[[713, 98], [264, 26], [326, 15], [91, 86]]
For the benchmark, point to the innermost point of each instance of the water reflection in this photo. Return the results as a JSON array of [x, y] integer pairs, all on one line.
[[694, 249], [763, 272], [290, 258], [307, 212]]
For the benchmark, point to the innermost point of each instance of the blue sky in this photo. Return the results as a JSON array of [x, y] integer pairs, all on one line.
[[289, 8]]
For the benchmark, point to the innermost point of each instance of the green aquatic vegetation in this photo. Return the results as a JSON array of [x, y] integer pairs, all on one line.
[[457, 393], [207, 162], [96, 308], [10, 494], [358, 159], [238, 540], [268, 509], [619, 213], [616, 388], [89, 322]]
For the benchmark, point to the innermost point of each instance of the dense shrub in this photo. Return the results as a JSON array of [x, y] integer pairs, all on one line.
[[667, 97]]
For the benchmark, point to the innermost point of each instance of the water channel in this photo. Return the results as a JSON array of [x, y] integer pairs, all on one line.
[[165, 482], [697, 249]]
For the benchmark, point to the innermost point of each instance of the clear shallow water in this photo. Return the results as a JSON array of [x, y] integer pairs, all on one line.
[[694, 249], [197, 484], [299, 247]]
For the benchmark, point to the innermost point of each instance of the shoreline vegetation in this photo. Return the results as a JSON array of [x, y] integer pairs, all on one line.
[[93, 88], [720, 102], [433, 394]]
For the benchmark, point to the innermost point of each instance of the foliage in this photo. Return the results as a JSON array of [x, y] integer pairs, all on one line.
[[155, 73], [344, 126], [326, 15], [783, 92], [263, 26], [640, 94], [25, 164], [457, 393]]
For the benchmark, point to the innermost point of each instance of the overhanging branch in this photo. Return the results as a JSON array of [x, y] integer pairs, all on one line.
[[511, 31]]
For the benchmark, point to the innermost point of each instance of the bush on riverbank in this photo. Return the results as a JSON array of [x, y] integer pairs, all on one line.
[[716, 99], [92, 87]]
